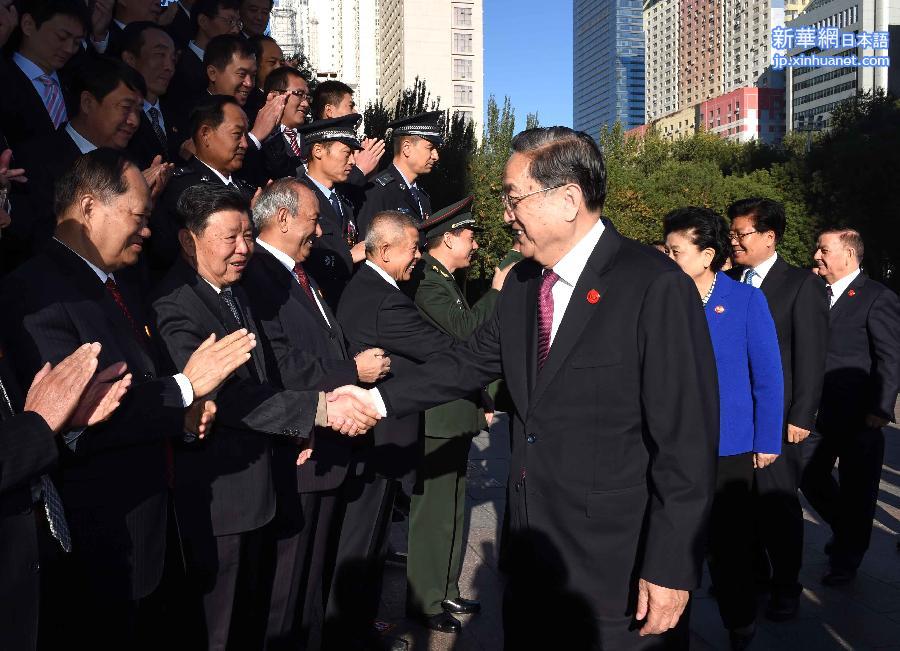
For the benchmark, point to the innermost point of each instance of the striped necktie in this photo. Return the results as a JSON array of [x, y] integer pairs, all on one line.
[[751, 274], [154, 115], [291, 135], [545, 315], [53, 100]]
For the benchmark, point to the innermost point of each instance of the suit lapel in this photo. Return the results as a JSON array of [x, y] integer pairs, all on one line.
[[580, 310], [774, 278], [843, 304]]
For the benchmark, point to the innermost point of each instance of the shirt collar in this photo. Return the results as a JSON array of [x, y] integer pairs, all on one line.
[[120, 24], [408, 184], [102, 275], [838, 287], [217, 290], [381, 272], [764, 268], [84, 145], [196, 50], [184, 9], [225, 179], [148, 106], [571, 265], [326, 191], [30, 68], [282, 257]]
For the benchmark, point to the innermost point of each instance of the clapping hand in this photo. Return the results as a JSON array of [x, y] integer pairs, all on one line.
[[102, 396], [213, 361], [269, 116], [55, 391], [157, 176], [7, 175], [101, 15], [368, 157], [199, 418], [9, 20], [350, 410]]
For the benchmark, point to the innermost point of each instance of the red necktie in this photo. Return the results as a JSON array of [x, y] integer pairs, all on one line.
[[292, 140], [545, 315], [113, 289], [303, 279]]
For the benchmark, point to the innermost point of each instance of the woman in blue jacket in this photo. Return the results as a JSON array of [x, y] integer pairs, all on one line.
[[751, 396]]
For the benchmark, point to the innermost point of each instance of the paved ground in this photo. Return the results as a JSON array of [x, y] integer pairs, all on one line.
[[865, 615]]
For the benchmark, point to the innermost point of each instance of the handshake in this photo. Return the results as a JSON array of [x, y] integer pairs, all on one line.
[[351, 410]]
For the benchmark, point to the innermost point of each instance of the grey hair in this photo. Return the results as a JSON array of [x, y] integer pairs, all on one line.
[[280, 194], [387, 227]]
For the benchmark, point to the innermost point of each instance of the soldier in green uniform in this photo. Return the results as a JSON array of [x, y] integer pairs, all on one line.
[[437, 512]]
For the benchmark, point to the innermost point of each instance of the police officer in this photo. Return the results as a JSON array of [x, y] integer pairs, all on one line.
[[219, 157], [437, 512], [416, 141]]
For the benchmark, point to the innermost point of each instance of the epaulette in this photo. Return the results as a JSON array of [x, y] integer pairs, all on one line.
[[183, 171], [441, 271], [384, 178]]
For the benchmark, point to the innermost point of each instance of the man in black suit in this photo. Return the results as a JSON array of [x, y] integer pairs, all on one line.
[[331, 147], [797, 301], [33, 104], [609, 364], [180, 28], [862, 377], [374, 313], [219, 128], [209, 18], [305, 346], [268, 57], [127, 12], [112, 478], [255, 17], [148, 49], [282, 150], [107, 114], [224, 487]]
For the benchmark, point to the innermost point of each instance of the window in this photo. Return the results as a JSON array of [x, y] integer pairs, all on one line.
[[462, 42], [463, 95], [465, 115], [462, 16], [462, 68]]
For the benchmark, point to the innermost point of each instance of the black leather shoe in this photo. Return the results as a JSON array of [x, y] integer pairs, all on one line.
[[740, 638], [395, 557], [782, 607], [460, 606], [838, 576], [442, 623]]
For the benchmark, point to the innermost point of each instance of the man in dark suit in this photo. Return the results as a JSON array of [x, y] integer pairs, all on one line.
[[604, 349], [209, 18], [268, 57], [112, 478], [109, 95], [374, 313], [416, 141], [797, 302], [282, 150], [218, 128], [305, 347], [33, 104], [332, 146], [862, 377], [255, 17], [180, 28], [148, 49], [127, 12], [224, 487]]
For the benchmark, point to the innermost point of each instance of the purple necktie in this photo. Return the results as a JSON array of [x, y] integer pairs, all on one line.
[[545, 315]]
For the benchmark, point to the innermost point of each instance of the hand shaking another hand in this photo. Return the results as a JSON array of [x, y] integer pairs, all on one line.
[[350, 410]]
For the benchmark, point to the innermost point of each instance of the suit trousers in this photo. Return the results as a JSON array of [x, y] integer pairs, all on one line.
[[298, 570], [847, 503], [731, 529], [359, 559], [779, 516], [436, 525]]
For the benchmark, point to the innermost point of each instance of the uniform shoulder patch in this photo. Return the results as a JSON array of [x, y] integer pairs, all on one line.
[[441, 271], [183, 171], [384, 179]]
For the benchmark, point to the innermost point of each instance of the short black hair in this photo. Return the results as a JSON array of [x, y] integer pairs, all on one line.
[[435, 240], [101, 75], [220, 50], [561, 155], [210, 9], [328, 92], [256, 43], [210, 112], [767, 214], [278, 78], [43, 10], [133, 36], [706, 229], [198, 202], [100, 172]]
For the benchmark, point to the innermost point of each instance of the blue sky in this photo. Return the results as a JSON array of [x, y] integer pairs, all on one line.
[[528, 56]]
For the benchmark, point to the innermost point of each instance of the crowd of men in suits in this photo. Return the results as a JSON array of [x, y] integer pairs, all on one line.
[[231, 339]]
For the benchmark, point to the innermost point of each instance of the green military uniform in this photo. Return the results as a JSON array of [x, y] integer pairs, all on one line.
[[437, 511]]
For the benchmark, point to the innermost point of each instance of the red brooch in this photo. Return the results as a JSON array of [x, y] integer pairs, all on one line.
[[718, 309], [852, 292], [593, 297]]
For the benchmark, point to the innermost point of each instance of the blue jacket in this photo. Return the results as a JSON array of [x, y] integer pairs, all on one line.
[[751, 384]]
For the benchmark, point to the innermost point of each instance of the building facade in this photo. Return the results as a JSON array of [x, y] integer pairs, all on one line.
[[608, 64], [745, 114], [662, 62]]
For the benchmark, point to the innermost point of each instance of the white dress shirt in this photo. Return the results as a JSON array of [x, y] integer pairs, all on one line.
[[762, 270], [196, 50], [569, 270], [225, 179], [84, 145], [381, 272], [840, 286], [289, 263]]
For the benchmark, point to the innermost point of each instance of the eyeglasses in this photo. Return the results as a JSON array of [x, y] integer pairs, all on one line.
[[299, 94], [511, 201], [739, 237], [231, 22]]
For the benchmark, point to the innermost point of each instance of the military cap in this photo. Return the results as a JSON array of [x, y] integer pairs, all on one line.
[[457, 215], [342, 129], [425, 125]]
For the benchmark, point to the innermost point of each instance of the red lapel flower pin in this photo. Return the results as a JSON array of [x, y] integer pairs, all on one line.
[[593, 296], [719, 309], [852, 292]]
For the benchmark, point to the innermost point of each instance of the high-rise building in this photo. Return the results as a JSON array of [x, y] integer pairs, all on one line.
[[814, 92], [289, 25], [608, 66], [662, 65], [745, 114]]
